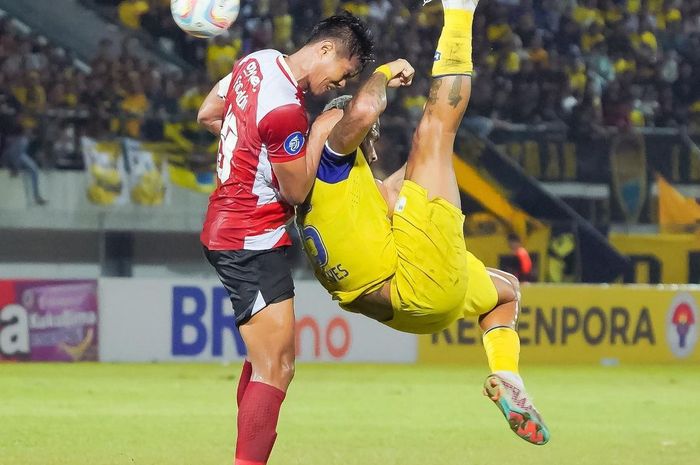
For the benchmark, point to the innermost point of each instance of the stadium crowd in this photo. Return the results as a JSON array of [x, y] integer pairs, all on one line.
[[585, 65]]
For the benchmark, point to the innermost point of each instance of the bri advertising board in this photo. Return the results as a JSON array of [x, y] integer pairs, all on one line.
[[52, 321], [569, 324], [192, 320]]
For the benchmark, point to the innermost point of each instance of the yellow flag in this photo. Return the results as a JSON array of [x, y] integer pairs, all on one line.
[[674, 208]]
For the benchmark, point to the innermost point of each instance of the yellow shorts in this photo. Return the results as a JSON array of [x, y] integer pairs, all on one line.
[[437, 280], [481, 296], [428, 289]]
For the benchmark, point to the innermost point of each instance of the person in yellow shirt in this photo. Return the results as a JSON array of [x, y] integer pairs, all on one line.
[[359, 9], [134, 108], [633, 6], [577, 77], [645, 38], [222, 52], [130, 12], [612, 12], [586, 13], [509, 57], [592, 37], [329, 7], [625, 65], [414, 273], [282, 27], [32, 96]]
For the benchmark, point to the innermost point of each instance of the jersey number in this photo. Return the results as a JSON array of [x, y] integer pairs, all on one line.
[[229, 140], [314, 244]]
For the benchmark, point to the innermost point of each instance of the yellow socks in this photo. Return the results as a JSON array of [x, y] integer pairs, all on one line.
[[454, 50], [502, 346]]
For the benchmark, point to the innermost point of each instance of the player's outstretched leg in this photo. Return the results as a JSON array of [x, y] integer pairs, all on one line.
[[504, 386], [430, 160], [269, 338]]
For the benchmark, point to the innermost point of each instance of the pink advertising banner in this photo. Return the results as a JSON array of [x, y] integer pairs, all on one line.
[[48, 320]]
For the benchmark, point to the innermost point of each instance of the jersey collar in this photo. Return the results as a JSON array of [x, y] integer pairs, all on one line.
[[286, 70]]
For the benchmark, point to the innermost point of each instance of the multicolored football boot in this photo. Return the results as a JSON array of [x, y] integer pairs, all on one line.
[[515, 404]]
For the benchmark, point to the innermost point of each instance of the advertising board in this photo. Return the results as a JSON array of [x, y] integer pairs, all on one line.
[[192, 320]]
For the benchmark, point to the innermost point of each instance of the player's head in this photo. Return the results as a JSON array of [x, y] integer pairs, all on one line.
[[514, 241], [367, 145], [341, 46]]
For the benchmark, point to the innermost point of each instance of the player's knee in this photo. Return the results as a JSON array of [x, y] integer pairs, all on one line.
[[507, 287], [286, 372], [279, 374], [285, 368], [275, 369], [515, 285]]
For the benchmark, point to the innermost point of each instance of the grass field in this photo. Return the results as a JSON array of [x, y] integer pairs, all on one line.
[[95, 414]]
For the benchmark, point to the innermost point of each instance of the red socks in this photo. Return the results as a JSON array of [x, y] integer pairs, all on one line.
[[258, 411], [243, 381]]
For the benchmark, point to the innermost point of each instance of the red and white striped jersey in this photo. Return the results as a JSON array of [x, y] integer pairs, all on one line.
[[264, 122]]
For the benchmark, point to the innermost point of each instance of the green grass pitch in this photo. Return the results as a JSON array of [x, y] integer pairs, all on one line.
[[171, 414]]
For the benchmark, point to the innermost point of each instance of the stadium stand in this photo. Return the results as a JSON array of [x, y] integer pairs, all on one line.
[[563, 88], [587, 65]]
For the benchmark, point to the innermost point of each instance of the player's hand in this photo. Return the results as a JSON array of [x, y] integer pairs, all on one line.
[[402, 73]]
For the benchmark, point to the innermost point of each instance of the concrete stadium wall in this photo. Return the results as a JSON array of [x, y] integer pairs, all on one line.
[[69, 208]]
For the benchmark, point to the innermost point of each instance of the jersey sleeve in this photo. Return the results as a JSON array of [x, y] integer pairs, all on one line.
[[224, 84], [284, 132]]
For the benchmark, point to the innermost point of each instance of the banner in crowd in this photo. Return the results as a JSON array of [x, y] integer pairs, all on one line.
[[104, 165], [202, 182], [48, 320], [660, 258], [591, 324], [123, 171], [192, 320], [148, 174]]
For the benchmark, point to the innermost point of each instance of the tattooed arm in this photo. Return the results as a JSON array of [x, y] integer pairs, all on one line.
[[366, 107]]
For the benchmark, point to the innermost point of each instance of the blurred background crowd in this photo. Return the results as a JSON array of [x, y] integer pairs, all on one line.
[[584, 65]]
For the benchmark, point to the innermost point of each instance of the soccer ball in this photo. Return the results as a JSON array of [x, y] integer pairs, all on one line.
[[204, 18]]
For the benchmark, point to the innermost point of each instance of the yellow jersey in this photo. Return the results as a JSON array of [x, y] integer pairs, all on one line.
[[345, 229]]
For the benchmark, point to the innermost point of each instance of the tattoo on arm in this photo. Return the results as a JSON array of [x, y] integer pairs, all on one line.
[[455, 97], [375, 90], [434, 89], [351, 130]]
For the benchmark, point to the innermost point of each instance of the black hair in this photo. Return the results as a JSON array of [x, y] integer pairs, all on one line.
[[349, 31]]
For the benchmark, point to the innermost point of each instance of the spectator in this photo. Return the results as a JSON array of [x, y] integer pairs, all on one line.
[[523, 270], [18, 159], [283, 24], [134, 106], [130, 12], [32, 95], [589, 63], [222, 52]]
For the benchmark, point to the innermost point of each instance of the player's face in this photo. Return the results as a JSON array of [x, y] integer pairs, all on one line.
[[332, 71]]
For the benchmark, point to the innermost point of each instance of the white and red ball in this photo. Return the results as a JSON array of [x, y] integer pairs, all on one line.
[[204, 18]]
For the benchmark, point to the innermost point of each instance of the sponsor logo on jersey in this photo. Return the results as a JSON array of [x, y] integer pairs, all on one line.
[[294, 143], [681, 325], [251, 72], [438, 55]]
